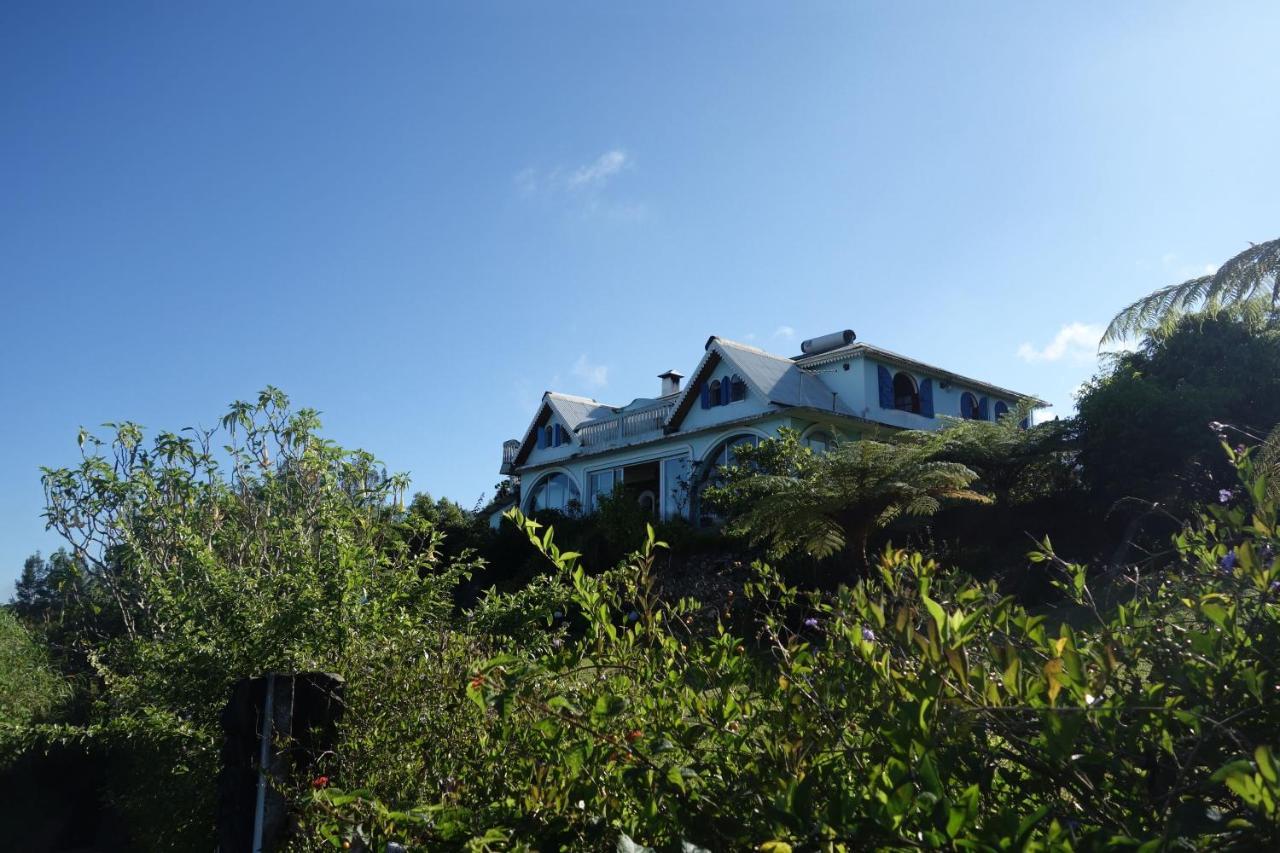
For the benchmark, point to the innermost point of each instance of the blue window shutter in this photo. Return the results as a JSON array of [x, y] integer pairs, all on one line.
[[966, 405], [706, 395], [561, 438], [926, 398], [886, 386], [1002, 408], [982, 410], [542, 438], [1025, 423], [725, 393]]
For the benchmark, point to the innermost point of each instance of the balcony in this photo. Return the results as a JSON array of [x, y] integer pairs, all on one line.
[[626, 428], [509, 450]]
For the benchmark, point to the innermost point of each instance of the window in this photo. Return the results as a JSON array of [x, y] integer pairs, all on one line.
[[905, 396], [554, 492], [676, 482], [819, 442], [723, 391], [1002, 409], [708, 472], [968, 406], [600, 484], [548, 436]]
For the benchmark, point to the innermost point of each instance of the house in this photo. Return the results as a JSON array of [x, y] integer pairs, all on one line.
[[662, 451]]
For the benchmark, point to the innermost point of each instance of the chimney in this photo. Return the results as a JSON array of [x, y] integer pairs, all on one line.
[[670, 382]]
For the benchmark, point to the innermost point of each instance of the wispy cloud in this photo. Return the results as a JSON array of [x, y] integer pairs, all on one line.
[[1077, 342], [584, 179], [595, 375], [587, 188], [784, 332], [598, 173]]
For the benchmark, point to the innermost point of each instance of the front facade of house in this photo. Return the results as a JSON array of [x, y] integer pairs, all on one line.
[[662, 451]]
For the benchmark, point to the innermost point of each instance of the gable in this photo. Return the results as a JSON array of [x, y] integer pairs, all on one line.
[[770, 379]]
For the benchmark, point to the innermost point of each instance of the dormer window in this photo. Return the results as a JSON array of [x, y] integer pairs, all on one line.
[[723, 391], [552, 435]]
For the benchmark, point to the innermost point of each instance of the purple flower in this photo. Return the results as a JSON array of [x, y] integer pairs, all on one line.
[[811, 622], [1229, 561], [868, 635], [1225, 495]]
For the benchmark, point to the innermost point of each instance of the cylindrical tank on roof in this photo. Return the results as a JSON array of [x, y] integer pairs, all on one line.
[[813, 346]]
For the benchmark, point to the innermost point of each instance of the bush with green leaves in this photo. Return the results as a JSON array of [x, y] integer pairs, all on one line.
[[208, 556], [912, 709], [29, 688]]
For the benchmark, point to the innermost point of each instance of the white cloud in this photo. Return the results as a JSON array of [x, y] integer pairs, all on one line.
[[597, 173], [1077, 342], [784, 332], [595, 375], [586, 189], [582, 179]]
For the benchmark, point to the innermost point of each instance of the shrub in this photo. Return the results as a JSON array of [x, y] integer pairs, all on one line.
[[910, 709]]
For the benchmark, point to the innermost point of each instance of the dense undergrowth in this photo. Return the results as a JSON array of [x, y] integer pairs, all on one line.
[[911, 709]]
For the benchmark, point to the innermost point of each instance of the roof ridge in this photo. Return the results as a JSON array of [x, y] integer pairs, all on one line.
[[750, 348], [575, 397]]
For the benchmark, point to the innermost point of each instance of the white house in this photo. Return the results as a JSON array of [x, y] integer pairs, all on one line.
[[661, 451]]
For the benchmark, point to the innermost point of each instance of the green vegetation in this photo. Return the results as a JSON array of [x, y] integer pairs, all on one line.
[[784, 494], [1250, 278], [540, 688]]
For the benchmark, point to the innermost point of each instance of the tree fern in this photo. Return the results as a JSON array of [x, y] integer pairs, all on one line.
[[784, 495], [1253, 273]]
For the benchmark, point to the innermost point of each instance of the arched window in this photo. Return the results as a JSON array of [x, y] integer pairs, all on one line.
[[968, 406], [708, 472], [549, 436], [1002, 409], [819, 441], [555, 492], [737, 388], [713, 391], [905, 395]]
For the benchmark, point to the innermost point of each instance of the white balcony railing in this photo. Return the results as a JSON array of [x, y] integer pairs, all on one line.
[[631, 425]]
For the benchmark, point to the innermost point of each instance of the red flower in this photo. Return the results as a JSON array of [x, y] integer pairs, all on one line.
[[320, 781], [476, 682], [634, 735]]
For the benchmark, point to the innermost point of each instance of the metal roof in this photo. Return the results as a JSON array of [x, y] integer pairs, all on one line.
[[775, 378]]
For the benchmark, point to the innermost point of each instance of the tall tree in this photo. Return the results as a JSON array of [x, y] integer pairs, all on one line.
[[1144, 425]]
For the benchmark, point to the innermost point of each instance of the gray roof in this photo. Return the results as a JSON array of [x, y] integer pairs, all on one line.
[[576, 410], [775, 378]]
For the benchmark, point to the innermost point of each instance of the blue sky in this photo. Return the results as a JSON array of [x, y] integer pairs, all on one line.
[[416, 217]]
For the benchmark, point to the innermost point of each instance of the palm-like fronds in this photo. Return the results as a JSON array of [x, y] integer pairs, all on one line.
[[783, 494], [1253, 273]]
